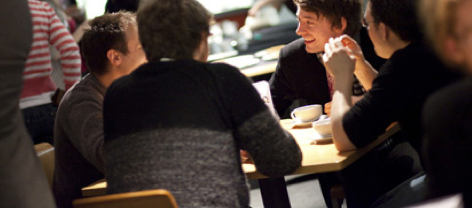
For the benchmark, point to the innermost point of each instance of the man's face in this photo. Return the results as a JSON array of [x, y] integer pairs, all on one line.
[[374, 33], [135, 56], [315, 29]]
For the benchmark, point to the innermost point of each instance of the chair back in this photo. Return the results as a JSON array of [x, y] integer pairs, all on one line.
[[158, 198], [45, 153]]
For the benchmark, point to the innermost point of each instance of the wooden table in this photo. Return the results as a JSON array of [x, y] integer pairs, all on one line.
[[316, 159], [265, 67]]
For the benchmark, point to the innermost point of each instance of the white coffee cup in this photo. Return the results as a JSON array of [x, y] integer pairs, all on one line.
[[322, 127], [306, 113]]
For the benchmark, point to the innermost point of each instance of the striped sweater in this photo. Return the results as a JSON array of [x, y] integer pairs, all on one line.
[[47, 30]]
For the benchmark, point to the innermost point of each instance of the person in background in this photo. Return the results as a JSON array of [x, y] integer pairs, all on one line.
[[178, 123], [35, 100], [119, 5], [447, 115], [258, 5], [399, 89], [111, 49], [23, 182]]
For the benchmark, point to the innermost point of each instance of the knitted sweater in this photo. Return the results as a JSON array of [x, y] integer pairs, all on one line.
[[47, 30], [179, 126]]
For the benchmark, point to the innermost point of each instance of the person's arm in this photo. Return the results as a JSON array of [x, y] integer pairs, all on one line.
[[328, 105], [280, 89], [341, 64], [364, 72], [273, 150], [68, 49], [86, 126]]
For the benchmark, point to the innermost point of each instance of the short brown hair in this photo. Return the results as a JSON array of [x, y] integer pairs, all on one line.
[[172, 28], [106, 32], [351, 10]]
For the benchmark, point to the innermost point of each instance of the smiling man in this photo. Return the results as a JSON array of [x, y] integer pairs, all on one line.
[[300, 77]]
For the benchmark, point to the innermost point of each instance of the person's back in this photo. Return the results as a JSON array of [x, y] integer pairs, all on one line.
[[178, 123], [447, 115]]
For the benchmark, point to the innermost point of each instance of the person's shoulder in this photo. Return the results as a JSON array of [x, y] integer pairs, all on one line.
[[294, 48], [87, 89], [453, 95]]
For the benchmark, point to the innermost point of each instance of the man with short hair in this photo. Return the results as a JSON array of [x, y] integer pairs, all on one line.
[[398, 91], [300, 77], [111, 49]]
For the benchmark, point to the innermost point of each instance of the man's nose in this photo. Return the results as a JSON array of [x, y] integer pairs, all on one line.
[[300, 30]]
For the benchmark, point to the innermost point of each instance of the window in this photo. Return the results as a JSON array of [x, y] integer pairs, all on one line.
[[219, 6]]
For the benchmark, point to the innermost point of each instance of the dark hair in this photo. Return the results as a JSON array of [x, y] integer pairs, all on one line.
[[334, 10], [172, 28], [106, 32], [399, 15], [113, 6]]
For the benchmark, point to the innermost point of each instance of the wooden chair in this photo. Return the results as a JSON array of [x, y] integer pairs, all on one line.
[[45, 153], [158, 198]]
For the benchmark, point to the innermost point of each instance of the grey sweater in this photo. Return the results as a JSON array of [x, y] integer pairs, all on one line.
[[179, 126], [78, 139]]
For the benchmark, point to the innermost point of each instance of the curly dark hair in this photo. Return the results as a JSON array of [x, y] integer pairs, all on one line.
[[106, 32], [351, 10], [172, 28]]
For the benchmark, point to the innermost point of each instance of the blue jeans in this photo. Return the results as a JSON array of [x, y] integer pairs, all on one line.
[[39, 120]]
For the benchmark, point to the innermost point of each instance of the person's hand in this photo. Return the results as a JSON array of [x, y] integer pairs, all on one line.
[[327, 109], [338, 59], [244, 156], [355, 48]]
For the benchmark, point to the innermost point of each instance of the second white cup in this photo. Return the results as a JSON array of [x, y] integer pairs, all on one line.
[[307, 113]]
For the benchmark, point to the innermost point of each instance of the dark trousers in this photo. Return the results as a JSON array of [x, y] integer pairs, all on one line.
[[39, 120]]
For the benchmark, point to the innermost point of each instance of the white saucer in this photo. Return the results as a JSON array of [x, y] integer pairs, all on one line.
[[302, 124], [321, 139]]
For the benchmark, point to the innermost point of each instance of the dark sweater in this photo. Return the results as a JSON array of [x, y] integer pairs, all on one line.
[[78, 140], [398, 94], [447, 119], [179, 126]]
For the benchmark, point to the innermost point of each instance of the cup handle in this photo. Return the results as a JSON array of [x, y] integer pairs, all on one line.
[[293, 115]]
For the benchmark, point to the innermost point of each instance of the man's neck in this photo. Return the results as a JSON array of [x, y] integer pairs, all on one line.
[[107, 79], [397, 44]]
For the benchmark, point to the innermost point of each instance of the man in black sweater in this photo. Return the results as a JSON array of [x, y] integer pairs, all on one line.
[[398, 91]]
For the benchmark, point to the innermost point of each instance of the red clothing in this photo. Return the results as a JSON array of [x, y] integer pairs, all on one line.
[[48, 30]]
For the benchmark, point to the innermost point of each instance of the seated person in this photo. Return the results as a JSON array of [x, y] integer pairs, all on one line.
[[178, 123], [300, 77], [398, 91], [447, 116], [111, 49]]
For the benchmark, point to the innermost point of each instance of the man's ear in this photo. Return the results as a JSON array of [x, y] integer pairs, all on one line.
[[384, 31], [114, 57], [341, 29]]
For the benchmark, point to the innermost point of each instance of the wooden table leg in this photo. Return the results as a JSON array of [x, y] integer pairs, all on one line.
[[274, 193]]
